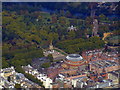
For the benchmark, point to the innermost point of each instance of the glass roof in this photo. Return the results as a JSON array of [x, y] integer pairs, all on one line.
[[74, 57]]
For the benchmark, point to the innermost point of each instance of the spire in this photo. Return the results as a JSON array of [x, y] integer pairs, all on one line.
[[51, 46], [95, 27]]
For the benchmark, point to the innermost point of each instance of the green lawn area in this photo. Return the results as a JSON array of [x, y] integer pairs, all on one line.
[[56, 60], [60, 51]]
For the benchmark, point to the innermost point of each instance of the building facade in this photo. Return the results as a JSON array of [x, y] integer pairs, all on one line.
[[73, 61]]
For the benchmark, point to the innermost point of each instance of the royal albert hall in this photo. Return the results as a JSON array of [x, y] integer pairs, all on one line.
[[74, 60]]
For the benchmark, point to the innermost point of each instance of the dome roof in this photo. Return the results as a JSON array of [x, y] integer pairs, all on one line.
[[74, 57]]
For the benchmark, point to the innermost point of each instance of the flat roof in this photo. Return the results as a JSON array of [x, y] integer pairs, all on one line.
[[104, 63]]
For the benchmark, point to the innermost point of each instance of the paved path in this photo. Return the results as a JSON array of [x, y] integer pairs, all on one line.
[[60, 50], [58, 58]]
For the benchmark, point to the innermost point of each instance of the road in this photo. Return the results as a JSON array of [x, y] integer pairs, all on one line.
[[58, 58]]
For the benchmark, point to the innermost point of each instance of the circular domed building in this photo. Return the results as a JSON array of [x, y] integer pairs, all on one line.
[[74, 60]]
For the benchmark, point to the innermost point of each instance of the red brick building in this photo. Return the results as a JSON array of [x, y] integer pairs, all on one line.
[[74, 60]]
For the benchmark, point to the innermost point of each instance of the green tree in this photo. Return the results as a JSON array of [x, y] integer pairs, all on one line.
[[45, 65], [102, 17], [62, 13], [62, 20], [17, 86], [40, 18], [5, 64], [50, 56], [71, 35], [94, 39], [54, 18], [68, 14], [30, 77], [52, 36]]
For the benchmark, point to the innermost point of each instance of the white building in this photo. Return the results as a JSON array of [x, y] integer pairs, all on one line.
[[46, 81], [79, 82], [72, 28]]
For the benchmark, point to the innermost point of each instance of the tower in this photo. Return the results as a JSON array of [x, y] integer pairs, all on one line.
[[95, 28], [51, 46]]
